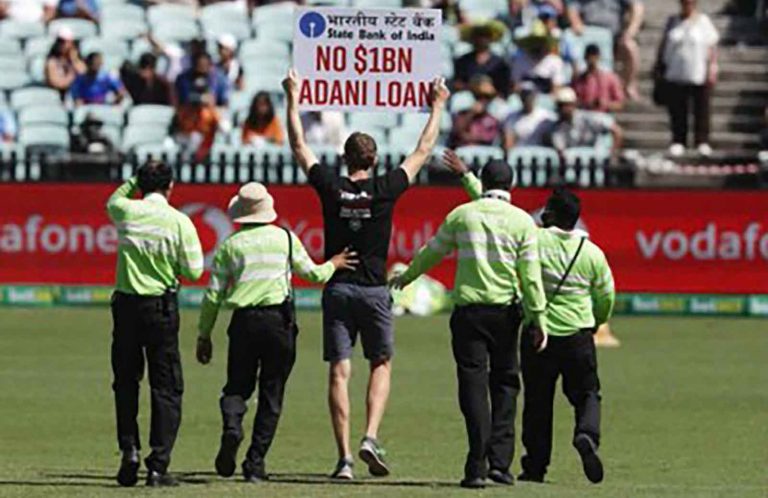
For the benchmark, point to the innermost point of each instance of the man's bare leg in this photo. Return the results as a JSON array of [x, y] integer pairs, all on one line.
[[378, 395], [629, 53], [338, 402]]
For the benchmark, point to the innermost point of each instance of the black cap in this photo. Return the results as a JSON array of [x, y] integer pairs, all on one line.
[[563, 209], [497, 175]]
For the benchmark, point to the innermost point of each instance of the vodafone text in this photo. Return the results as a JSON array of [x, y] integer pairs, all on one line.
[[710, 243]]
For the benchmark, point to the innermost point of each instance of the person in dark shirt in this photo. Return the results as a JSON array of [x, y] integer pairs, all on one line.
[[357, 211], [203, 71], [143, 83], [481, 60]]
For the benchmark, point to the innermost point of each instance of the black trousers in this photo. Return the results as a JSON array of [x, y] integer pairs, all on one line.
[[146, 329], [574, 358], [484, 341], [680, 98], [262, 345]]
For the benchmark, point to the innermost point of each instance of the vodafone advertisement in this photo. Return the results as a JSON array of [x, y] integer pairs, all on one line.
[[674, 241]]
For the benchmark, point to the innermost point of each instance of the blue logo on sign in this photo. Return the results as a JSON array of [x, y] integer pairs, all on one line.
[[312, 24]]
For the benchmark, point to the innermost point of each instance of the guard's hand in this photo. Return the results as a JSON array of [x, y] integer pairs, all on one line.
[[440, 92], [454, 163], [396, 282], [291, 83], [204, 350], [538, 337], [345, 260]]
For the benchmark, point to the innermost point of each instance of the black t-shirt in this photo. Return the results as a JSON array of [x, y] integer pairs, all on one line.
[[358, 215]]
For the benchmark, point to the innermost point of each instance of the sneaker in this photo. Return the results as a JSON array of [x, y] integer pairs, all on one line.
[[704, 150], [593, 467], [344, 470], [528, 477], [128, 475], [676, 150], [501, 477], [373, 454], [254, 474], [156, 479], [472, 483], [225, 460]]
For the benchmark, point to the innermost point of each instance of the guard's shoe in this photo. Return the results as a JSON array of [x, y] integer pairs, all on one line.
[[344, 470], [225, 460], [373, 454], [128, 475], [472, 483], [528, 477], [254, 474], [501, 477], [156, 479], [593, 467]]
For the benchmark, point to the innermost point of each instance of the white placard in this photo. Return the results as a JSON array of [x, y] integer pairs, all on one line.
[[366, 59]]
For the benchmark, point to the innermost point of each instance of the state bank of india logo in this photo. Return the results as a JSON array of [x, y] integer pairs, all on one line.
[[209, 220], [312, 24]]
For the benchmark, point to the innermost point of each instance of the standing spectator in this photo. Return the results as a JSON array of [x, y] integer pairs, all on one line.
[[96, 85], [203, 73], [530, 125], [81, 9], [598, 89], [143, 83], [31, 11], [687, 62], [481, 60], [476, 126], [575, 128], [7, 126], [228, 63], [624, 19], [63, 63], [537, 59], [325, 128], [196, 123], [262, 124]]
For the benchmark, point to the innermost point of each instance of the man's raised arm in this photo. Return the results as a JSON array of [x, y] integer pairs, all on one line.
[[416, 160], [301, 151]]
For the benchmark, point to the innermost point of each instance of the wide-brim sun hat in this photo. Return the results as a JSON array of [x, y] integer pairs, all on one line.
[[535, 33], [492, 28], [252, 204]]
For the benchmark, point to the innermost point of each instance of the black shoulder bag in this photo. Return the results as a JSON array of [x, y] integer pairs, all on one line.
[[567, 271], [289, 306]]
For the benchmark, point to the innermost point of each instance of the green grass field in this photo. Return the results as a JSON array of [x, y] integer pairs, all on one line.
[[685, 414]]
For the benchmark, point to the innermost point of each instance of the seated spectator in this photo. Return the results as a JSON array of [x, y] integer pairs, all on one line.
[[476, 126], [7, 126], [262, 124], [81, 9], [481, 60], [537, 60], [143, 83], [203, 73], [90, 139], [196, 123], [567, 49], [624, 19], [523, 12], [598, 89], [530, 125], [325, 129], [28, 10], [228, 63], [576, 128], [96, 85], [63, 63]]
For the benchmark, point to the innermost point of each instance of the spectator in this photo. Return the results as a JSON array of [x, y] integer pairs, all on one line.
[[228, 63], [476, 126], [63, 63], [687, 63], [7, 126], [196, 122], [91, 139], [203, 74], [81, 9], [143, 83], [576, 128], [567, 50], [524, 12], [262, 124], [325, 129], [96, 85], [537, 59], [31, 11], [598, 89], [530, 125], [624, 19], [481, 60]]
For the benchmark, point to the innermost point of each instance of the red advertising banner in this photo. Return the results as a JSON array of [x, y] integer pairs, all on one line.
[[656, 241]]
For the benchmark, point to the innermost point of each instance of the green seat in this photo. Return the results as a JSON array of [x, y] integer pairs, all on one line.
[[37, 70], [365, 121], [380, 4], [12, 63], [264, 49], [38, 47], [150, 114], [122, 11], [274, 31], [461, 101], [179, 31], [34, 96], [80, 27], [215, 27], [170, 13], [43, 114], [114, 47], [21, 30]]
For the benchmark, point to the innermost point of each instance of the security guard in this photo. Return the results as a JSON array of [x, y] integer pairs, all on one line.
[[156, 244], [497, 254], [252, 275]]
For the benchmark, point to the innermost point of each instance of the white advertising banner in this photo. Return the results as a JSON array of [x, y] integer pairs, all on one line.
[[366, 59]]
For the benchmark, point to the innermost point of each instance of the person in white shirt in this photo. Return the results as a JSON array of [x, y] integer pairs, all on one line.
[[28, 10], [537, 59], [687, 63], [529, 125]]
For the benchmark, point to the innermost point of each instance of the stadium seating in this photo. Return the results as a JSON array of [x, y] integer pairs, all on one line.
[[143, 134], [21, 30], [478, 155], [80, 27], [34, 96], [14, 79], [43, 114], [111, 115], [48, 136], [152, 115]]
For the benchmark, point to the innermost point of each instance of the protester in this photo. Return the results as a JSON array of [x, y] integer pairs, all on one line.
[[143, 83], [203, 72], [31, 11], [96, 85], [497, 276], [687, 62], [196, 123], [263, 330], [91, 139], [262, 125], [228, 63], [357, 211], [576, 128], [530, 125], [476, 126], [63, 63], [598, 89], [326, 128], [81, 9], [537, 59], [623, 18], [580, 296], [157, 244], [481, 60], [8, 126]]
